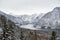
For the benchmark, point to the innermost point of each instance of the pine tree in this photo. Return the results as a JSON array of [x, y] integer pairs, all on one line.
[[7, 28], [11, 29], [53, 35], [21, 35], [3, 19]]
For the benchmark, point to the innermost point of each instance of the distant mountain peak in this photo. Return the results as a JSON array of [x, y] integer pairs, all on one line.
[[56, 8], [2, 13]]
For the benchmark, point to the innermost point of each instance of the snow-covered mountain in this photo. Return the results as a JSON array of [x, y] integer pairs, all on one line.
[[50, 19], [10, 17], [22, 19]]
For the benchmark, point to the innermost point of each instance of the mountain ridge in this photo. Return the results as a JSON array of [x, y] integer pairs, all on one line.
[[49, 19]]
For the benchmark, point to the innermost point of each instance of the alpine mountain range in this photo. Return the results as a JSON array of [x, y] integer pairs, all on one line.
[[48, 20]]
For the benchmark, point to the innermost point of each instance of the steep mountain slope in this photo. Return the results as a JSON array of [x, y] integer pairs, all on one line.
[[8, 29], [51, 19], [10, 17], [14, 19], [22, 19]]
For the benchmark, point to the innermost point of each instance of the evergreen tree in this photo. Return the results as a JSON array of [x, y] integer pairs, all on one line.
[[11, 29], [5, 35], [21, 35], [7, 28], [53, 35]]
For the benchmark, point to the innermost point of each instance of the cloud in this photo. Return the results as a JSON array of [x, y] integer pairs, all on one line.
[[28, 6]]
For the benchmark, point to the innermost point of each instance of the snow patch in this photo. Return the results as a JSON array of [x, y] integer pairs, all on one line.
[[29, 26]]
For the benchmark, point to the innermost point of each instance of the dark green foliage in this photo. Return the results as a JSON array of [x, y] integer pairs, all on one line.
[[53, 35]]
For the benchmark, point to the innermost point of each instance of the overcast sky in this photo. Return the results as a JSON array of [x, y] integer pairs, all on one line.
[[21, 7]]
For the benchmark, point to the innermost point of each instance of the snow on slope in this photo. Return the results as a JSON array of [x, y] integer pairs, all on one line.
[[50, 19], [29, 26]]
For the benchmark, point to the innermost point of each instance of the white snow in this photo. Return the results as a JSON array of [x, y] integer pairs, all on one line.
[[29, 26]]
